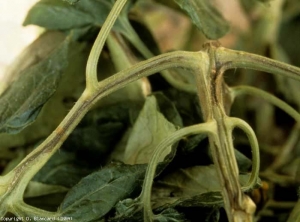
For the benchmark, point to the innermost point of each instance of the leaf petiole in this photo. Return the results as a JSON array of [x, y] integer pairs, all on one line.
[[236, 122], [91, 67], [240, 90], [231, 59], [145, 197]]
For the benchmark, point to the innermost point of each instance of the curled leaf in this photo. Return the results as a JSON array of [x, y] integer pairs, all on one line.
[[150, 128], [95, 195], [205, 17], [22, 102], [59, 15]]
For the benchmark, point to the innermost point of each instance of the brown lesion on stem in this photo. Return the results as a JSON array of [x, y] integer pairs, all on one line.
[[238, 206]]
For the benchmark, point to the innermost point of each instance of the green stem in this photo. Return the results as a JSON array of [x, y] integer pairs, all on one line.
[[142, 48], [91, 67], [178, 59], [145, 196], [32, 163], [239, 90], [137, 42], [231, 59], [235, 122]]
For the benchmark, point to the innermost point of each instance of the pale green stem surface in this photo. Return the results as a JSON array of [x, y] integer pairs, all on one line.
[[231, 59], [142, 48], [91, 67], [240, 90], [145, 197], [246, 128]]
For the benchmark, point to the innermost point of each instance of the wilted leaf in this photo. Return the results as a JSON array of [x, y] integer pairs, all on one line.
[[190, 181], [209, 199], [95, 195], [61, 170], [169, 215], [21, 103], [205, 17], [149, 130], [168, 109], [56, 14], [244, 163], [128, 210], [200, 183], [31, 55], [132, 210], [98, 133], [59, 15], [187, 105], [56, 108]]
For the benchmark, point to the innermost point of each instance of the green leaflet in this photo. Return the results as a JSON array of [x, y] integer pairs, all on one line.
[[193, 186], [61, 170], [168, 109], [190, 181], [22, 102], [59, 15], [56, 14], [96, 194], [149, 130], [205, 17], [97, 134], [187, 105], [244, 163], [60, 102]]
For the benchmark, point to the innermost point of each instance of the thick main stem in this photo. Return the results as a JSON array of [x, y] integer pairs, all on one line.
[[211, 91]]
